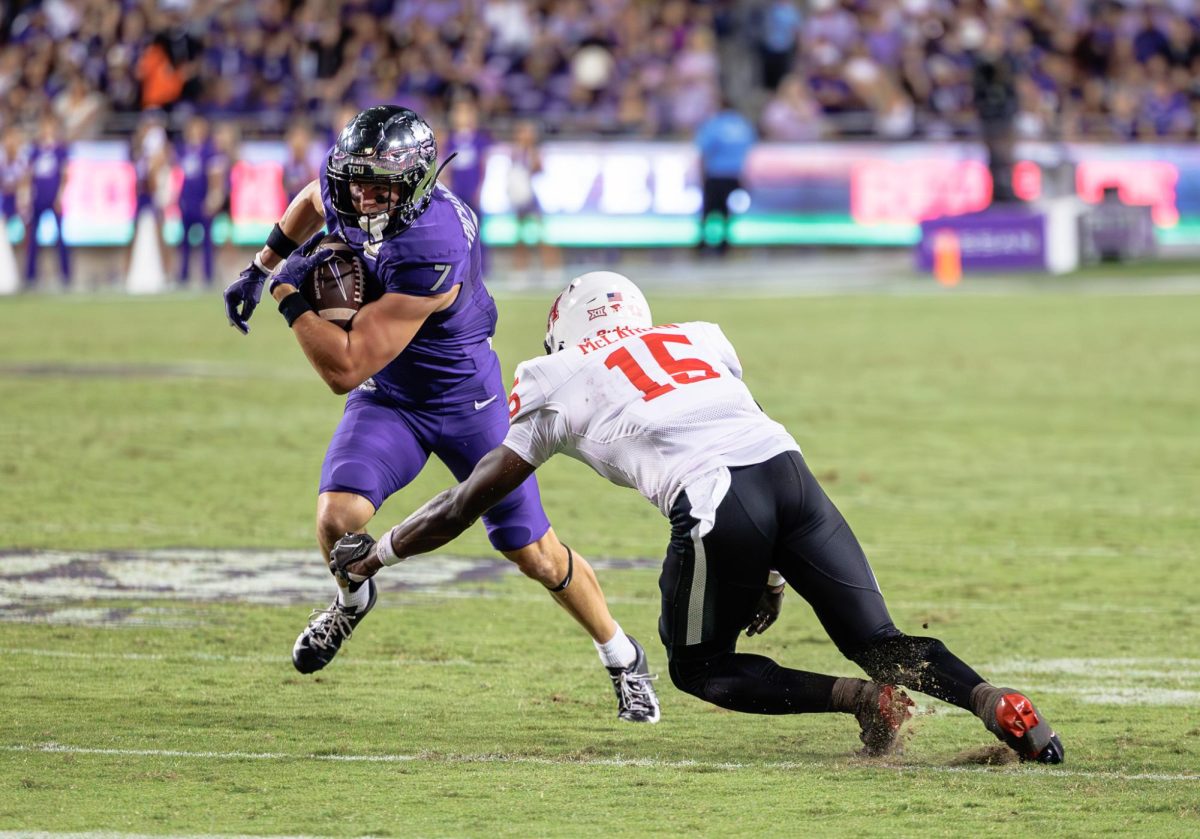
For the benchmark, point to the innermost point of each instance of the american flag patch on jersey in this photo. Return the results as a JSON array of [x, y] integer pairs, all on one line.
[[614, 296]]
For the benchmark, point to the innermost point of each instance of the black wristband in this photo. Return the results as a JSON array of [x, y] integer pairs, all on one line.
[[293, 306], [280, 242]]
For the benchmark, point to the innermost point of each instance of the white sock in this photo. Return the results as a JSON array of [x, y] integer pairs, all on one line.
[[617, 651], [354, 599]]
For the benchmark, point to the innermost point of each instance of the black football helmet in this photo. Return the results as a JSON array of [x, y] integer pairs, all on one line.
[[388, 150]]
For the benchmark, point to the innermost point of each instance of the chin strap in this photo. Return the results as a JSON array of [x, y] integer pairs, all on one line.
[[570, 570], [445, 163], [374, 226]]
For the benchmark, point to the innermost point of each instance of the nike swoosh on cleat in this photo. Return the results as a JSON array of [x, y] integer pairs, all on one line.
[[479, 406]]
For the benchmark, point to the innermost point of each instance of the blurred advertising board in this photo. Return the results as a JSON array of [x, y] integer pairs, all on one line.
[[635, 194]]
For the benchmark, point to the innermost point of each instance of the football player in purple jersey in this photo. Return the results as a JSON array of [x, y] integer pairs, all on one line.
[[48, 176], [420, 372]]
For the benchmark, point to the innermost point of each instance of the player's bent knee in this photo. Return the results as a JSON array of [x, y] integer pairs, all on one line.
[[689, 676], [898, 658], [339, 514], [538, 562], [704, 679]]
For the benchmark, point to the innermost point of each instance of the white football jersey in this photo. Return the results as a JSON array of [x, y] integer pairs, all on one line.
[[660, 409]]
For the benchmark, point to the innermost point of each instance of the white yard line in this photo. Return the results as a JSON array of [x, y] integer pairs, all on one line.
[[108, 834], [1095, 681], [233, 659], [621, 762]]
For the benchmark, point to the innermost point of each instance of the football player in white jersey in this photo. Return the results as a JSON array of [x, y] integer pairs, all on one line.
[[662, 409]]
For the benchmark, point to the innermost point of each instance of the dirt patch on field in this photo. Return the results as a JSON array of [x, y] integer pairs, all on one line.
[[996, 754]]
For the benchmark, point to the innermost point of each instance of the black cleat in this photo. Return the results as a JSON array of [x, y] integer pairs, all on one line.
[[636, 699], [1022, 727], [326, 630]]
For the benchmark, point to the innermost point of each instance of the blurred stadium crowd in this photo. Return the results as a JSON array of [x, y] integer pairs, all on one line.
[[804, 70]]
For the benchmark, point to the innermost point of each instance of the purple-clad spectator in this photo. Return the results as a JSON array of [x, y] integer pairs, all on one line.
[[884, 37], [80, 109], [694, 81], [303, 161], [791, 115], [200, 189], [437, 13], [1182, 45], [539, 87], [635, 116], [829, 22], [151, 164], [895, 114], [526, 157], [224, 161], [571, 23], [469, 144], [1149, 41], [48, 176], [874, 65], [1124, 123], [511, 25], [14, 171], [1166, 110]]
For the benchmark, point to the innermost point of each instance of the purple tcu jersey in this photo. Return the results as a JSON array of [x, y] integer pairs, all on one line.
[[48, 164], [195, 161], [449, 363]]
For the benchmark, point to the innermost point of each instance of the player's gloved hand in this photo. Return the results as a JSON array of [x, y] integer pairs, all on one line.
[[301, 263], [352, 559], [767, 612], [242, 296]]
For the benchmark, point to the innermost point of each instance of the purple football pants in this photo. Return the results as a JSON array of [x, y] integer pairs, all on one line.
[[379, 448]]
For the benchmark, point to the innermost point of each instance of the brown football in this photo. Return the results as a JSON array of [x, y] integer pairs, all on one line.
[[337, 288]]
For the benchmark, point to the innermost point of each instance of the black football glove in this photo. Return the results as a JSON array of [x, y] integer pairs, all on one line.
[[767, 612], [346, 555]]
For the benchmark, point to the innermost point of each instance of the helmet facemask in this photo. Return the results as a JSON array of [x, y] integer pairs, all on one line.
[[357, 184]]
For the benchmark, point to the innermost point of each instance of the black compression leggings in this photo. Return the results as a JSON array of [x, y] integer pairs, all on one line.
[[775, 515]]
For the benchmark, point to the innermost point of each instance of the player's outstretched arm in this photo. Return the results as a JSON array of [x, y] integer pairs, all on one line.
[[442, 518], [302, 218]]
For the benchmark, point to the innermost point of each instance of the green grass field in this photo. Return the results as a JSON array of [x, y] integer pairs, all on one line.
[[1023, 470]]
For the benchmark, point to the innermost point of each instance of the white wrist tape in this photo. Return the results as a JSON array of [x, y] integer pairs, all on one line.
[[384, 551], [259, 263], [775, 579]]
